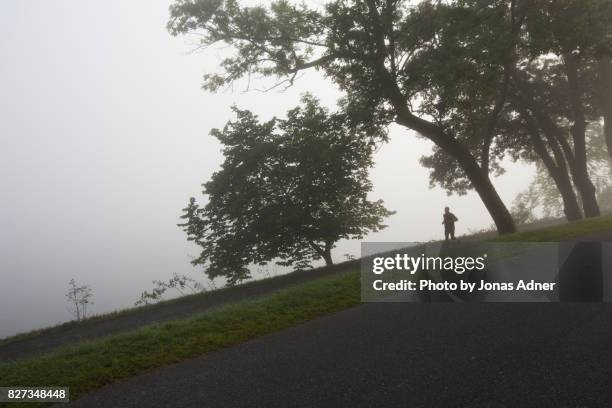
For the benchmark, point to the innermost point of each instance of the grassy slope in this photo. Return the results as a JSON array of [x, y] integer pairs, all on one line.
[[559, 232], [93, 364], [127, 311], [568, 231]]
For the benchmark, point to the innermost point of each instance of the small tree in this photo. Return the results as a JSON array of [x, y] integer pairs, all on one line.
[[288, 190], [182, 284], [79, 298]]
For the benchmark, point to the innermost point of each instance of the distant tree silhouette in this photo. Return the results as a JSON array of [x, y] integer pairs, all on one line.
[[288, 190], [543, 199], [79, 298]]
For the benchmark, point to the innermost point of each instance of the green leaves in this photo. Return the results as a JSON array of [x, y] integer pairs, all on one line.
[[443, 69], [288, 190], [271, 41]]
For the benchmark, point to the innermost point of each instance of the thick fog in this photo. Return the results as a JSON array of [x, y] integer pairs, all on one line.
[[104, 137]]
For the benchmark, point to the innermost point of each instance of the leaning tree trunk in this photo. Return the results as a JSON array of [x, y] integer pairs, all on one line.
[[605, 87], [571, 207], [491, 199], [477, 176], [582, 180], [479, 179], [561, 177], [588, 193], [555, 165], [323, 252], [327, 257], [580, 175], [559, 174], [576, 160]]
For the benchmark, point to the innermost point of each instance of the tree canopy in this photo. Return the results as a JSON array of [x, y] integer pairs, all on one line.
[[463, 73], [367, 48], [288, 190]]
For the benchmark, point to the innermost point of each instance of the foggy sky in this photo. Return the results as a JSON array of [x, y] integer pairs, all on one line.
[[104, 137]]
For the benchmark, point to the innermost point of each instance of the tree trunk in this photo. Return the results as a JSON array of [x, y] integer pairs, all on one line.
[[571, 208], [576, 159], [580, 176], [327, 253], [605, 87], [577, 166], [588, 193], [556, 168], [324, 253], [563, 181], [492, 201], [327, 257], [582, 180], [478, 178]]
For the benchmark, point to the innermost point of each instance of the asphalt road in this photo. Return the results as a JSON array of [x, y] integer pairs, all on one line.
[[48, 341], [399, 355], [390, 355]]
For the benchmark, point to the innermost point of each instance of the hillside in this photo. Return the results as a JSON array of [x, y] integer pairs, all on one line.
[[208, 322]]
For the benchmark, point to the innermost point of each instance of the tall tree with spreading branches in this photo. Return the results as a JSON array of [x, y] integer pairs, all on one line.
[[366, 47], [451, 71], [288, 191], [547, 85], [558, 83]]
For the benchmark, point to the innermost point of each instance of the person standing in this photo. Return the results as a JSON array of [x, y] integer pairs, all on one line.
[[449, 220]]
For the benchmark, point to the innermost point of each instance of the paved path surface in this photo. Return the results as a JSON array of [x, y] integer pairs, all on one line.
[[399, 355], [45, 342], [48, 341]]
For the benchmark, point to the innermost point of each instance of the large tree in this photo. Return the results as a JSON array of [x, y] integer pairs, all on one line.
[[462, 75], [556, 94], [564, 82], [579, 32], [523, 139], [366, 47], [288, 190], [543, 199], [509, 75]]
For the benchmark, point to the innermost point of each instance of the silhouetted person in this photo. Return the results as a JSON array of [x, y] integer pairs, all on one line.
[[449, 224]]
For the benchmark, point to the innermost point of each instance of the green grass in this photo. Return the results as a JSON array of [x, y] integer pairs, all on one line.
[[92, 320], [90, 365], [568, 231], [549, 234]]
